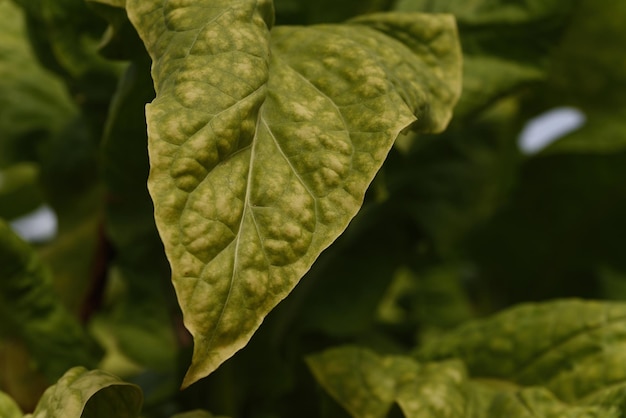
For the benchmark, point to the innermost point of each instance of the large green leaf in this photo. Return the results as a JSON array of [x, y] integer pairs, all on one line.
[[575, 348], [30, 310], [260, 159], [367, 385], [81, 393]]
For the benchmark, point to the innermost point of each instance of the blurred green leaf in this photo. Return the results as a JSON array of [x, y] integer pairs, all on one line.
[[589, 64], [34, 102], [604, 132], [31, 310], [8, 407], [20, 192], [488, 29], [588, 71], [563, 221], [140, 320], [452, 182], [65, 34], [89, 394]]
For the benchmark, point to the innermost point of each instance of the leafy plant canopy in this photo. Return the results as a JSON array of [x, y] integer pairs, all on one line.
[[289, 208]]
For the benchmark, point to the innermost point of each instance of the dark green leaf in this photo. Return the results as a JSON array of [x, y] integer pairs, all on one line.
[[562, 223], [19, 190], [34, 103], [31, 310]]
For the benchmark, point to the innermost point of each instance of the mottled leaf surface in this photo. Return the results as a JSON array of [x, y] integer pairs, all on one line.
[[262, 145], [540, 402], [83, 393], [367, 385], [572, 347]]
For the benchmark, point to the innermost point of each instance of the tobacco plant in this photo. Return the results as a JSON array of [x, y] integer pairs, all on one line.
[[288, 208]]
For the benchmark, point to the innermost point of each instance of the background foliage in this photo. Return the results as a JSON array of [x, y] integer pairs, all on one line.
[[455, 228]]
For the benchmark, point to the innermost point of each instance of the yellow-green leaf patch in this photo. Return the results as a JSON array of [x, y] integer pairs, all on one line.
[[262, 144]]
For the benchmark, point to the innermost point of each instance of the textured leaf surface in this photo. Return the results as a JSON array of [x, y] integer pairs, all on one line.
[[81, 393], [30, 310], [539, 402], [367, 385], [572, 347], [259, 160]]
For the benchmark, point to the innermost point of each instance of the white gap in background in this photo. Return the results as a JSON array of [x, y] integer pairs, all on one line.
[[546, 128], [38, 226]]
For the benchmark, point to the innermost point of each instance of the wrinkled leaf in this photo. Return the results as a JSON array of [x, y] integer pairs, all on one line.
[[89, 394], [572, 347], [31, 310], [539, 402], [259, 160], [367, 385], [8, 407]]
